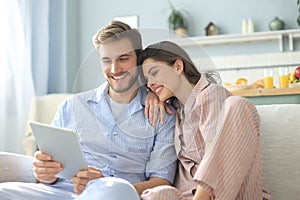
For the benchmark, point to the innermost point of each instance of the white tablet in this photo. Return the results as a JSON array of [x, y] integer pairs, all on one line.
[[62, 144]]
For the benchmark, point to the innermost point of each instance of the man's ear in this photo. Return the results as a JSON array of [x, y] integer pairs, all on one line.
[[178, 66]]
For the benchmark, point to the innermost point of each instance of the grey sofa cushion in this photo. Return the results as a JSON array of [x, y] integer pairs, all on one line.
[[280, 134], [16, 167]]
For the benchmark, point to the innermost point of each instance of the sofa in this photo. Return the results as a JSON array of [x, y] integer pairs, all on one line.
[[280, 131], [42, 109]]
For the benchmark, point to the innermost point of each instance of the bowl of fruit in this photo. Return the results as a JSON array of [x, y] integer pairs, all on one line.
[[294, 78]]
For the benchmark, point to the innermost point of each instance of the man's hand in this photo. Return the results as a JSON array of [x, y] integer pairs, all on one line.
[[44, 168], [81, 179], [153, 106]]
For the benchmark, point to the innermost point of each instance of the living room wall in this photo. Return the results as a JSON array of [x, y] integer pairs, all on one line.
[[85, 17]]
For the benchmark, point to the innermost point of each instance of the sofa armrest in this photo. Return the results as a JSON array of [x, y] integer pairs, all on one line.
[[16, 168]]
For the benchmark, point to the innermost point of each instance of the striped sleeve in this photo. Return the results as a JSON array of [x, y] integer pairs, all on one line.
[[232, 162]]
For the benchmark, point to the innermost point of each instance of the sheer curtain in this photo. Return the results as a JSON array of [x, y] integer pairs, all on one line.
[[16, 81]]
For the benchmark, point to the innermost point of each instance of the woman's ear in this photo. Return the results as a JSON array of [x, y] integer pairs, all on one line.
[[178, 66]]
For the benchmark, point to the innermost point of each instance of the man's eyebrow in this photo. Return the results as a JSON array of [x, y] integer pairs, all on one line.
[[105, 58], [118, 56], [125, 54]]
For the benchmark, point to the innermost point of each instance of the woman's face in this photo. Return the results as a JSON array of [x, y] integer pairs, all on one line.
[[162, 78]]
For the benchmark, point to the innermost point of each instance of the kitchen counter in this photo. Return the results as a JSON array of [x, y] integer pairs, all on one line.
[[267, 92], [262, 96]]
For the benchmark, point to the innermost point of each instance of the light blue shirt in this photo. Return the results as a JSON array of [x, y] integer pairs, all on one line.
[[129, 147]]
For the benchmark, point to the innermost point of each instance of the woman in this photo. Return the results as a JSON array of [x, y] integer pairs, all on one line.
[[217, 136]]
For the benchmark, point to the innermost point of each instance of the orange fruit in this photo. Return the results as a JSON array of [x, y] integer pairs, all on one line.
[[241, 81]]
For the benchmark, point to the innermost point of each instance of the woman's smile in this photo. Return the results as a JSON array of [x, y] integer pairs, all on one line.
[[157, 89]]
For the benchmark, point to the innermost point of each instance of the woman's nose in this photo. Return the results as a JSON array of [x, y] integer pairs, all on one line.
[[149, 83]]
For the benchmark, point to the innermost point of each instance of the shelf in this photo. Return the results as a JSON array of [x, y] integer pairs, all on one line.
[[267, 92], [255, 61], [243, 38]]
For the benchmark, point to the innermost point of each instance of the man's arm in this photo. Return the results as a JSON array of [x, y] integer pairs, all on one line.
[[162, 164], [152, 182]]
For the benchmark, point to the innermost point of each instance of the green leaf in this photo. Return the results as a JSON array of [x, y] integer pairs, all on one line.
[[176, 18]]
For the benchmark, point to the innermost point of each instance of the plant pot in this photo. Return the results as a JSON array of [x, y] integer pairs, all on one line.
[[181, 32]]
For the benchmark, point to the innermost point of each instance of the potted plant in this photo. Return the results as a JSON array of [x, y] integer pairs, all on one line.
[[177, 21]]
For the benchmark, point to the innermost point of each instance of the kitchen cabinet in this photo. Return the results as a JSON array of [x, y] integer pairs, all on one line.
[[244, 38], [285, 55], [279, 58]]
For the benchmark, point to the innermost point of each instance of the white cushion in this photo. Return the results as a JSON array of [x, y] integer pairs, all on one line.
[[16, 168]]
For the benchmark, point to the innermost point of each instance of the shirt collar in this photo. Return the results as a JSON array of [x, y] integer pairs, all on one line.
[[201, 85], [137, 103], [98, 93]]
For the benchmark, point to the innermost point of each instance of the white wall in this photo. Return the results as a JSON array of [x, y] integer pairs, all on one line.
[[92, 14]]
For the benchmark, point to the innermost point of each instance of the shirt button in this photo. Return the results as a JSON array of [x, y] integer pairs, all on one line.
[[115, 133]]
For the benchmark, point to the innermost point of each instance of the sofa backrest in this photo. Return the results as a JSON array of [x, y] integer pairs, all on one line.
[[280, 132], [42, 109]]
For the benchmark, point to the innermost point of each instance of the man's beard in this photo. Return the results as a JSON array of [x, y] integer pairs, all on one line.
[[131, 83]]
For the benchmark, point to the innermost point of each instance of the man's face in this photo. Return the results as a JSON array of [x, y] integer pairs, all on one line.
[[119, 63]]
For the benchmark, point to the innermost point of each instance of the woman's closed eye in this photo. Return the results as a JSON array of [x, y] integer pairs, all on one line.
[[153, 73]]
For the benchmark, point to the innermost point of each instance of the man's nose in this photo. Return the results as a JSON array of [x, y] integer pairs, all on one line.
[[114, 67]]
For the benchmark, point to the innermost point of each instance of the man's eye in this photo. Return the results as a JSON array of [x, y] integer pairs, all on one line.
[[106, 62], [123, 59]]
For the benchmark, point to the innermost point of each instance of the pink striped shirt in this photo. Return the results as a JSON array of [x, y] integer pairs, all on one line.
[[217, 141]]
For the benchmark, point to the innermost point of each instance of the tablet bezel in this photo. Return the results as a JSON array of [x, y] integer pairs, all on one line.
[[62, 144]]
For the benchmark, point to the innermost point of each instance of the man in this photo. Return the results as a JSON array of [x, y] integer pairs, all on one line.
[[116, 138]]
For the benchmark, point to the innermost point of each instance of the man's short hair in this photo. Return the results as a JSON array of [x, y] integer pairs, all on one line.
[[117, 30]]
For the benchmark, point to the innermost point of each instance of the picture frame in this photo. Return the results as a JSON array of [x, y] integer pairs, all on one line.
[[131, 20]]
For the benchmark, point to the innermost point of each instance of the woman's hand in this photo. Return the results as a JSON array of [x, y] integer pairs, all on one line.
[[81, 179], [201, 194], [44, 168], [153, 106]]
